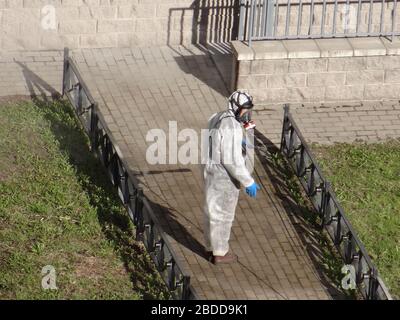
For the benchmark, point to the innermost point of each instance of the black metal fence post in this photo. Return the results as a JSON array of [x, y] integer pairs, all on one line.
[[325, 203], [93, 127], [286, 109], [65, 69], [139, 215]]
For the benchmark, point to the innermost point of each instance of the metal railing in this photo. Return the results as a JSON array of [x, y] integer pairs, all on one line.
[[138, 207], [309, 19], [333, 219]]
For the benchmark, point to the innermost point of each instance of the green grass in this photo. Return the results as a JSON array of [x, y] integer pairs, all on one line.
[[366, 179], [58, 208]]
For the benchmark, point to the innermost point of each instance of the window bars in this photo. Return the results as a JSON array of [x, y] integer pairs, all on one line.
[[138, 207], [333, 219], [313, 19]]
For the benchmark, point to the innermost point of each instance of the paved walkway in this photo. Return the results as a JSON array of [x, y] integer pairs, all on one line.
[[30, 72], [370, 122], [141, 89]]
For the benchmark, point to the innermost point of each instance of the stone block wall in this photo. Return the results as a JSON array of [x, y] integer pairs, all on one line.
[[53, 24], [324, 79]]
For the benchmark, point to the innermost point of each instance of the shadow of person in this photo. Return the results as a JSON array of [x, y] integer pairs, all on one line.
[[112, 218], [176, 223], [115, 222], [171, 225]]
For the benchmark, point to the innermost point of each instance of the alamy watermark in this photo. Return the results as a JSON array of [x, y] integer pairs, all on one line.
[[216, 146], [49, 278], [48, 20], [349, 280], [349, 14]]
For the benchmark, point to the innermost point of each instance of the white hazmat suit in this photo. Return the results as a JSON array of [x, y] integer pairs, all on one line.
[[224, 172]]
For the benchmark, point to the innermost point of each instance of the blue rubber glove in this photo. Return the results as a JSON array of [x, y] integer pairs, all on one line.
[[252, 190]]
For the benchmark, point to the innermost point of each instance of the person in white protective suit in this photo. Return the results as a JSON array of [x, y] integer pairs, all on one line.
[[224, 173]]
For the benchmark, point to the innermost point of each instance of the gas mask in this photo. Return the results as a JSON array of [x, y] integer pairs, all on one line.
[[245, 117], [246, 121]]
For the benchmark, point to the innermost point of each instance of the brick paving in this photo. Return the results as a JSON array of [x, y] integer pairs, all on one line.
[[329, 123], [369, 122], [140, 89], [30, 72]]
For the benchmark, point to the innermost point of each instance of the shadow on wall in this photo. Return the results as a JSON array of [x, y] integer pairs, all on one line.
[[213, 21]]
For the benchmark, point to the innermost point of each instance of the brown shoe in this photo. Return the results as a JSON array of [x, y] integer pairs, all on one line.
[[230, 257], [209, 255]]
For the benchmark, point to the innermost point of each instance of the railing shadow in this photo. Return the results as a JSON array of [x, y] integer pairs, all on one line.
[[33, 81], [300, 214], [130, 187], [102, 195], [112, 218], [214, 24], [171, 225], [212, 21], [330, 214]]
